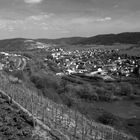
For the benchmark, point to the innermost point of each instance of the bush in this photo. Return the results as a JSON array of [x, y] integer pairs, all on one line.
[[103, 94], [28, 54], [66, 100], [108, 119], [46, 81], [48, 85], [125, 89], [86, 92], [39, 83], [19, 74]]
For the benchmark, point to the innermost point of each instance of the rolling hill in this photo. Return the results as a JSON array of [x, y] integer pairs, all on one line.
[[109, 39], [63, 41], [20, 44], [106, 39]]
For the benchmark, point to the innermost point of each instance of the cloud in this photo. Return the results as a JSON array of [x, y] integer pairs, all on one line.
[[87, 20], [40, 17], [82, 20], [29, 23], [116, 6], [9, 25], [103, 19], [33, 1], [51, 23]]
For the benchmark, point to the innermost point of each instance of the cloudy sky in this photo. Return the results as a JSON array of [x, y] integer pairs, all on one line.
[[65, 18]]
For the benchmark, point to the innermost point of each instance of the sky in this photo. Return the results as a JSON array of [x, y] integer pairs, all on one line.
[[67, 18]]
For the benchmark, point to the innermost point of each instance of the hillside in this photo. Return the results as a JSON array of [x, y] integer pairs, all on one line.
[[12, 44], [15, 124], [63, 41], [20, 44], [106, 39]]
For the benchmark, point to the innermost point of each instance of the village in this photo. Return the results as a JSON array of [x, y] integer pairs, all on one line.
[[104, 63], [107, 64]]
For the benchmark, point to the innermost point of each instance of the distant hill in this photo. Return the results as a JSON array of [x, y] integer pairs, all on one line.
[[12, 44], [109, 39], [20, 44], [24, 44], [106, 39], [63, 41]]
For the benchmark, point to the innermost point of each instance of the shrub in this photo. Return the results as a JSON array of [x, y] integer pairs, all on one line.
[[107, 119], [66, 100], [19, 74], [105, 94], [86, 92], [126, 89], [46, 81]]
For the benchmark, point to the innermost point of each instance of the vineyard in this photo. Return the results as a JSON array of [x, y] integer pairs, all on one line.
[[58, 117]]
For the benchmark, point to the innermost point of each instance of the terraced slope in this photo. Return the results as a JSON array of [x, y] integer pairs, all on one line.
[[64, 123]]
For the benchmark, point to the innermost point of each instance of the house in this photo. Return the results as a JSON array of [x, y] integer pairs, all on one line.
[[68, 71], [1, 66], [60, 74]]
